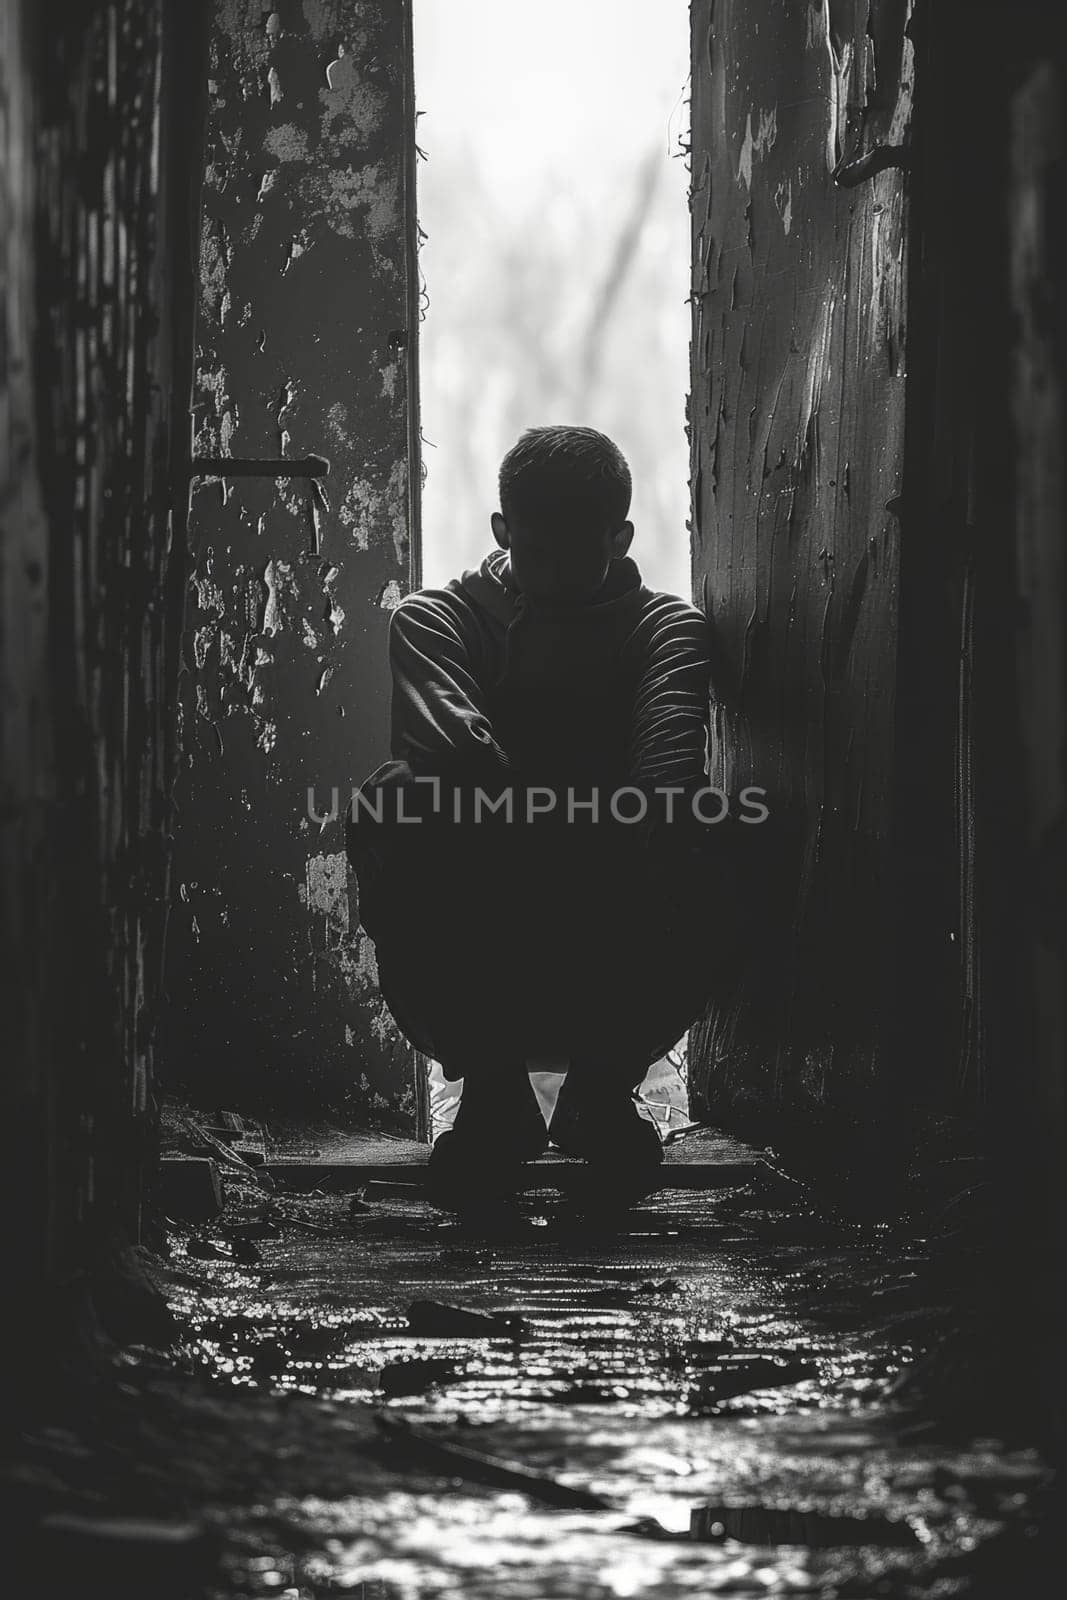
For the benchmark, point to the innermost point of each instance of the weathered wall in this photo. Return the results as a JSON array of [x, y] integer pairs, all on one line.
[[1038, 398], [980, 707], [1037, 225], [797, 427], [97, 125], [877, 431], [957, 795], [981, 747], [306, 344]]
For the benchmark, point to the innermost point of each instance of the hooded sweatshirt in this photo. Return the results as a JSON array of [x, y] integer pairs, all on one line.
[[611, 692]]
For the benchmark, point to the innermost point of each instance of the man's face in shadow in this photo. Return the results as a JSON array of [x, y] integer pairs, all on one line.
[[559, 565]]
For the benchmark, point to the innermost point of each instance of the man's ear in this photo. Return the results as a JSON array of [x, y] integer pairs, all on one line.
[[621, 541], [500, 530]]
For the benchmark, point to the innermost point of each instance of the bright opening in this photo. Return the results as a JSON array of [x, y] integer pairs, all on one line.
[[556, 262]]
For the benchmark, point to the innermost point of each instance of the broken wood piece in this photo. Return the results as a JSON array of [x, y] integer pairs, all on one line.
[[416, 1375], [207, 1250], [222, 1151], [433, 1320], [227, 1124], [585, 1394], [388, 1189], [415, 1446], [252, 1150], [623, 1294], [261, 1228], [652, 1528], [727, 1378], [308, 1227], [816, 1530]]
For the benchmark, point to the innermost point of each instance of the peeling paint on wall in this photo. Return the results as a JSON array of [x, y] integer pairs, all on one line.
[[286, 143], [307, 345], [281, 591], [326, 894], [353, 103], [754, 146]]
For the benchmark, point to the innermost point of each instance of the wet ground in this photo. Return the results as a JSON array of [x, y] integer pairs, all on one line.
[[379, 1401]]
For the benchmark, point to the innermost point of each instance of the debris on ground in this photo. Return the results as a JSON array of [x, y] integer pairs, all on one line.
[[262, 1228], [406, 1442], [435, 1321], [731, 1376], [377, 1189], [355, 1413], [769, 1525], [246, 1252], [245, 1138], [207, 1250], [417, 1374]]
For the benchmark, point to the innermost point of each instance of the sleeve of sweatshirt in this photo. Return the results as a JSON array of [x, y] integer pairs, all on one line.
[[439, 709], [669, 739]]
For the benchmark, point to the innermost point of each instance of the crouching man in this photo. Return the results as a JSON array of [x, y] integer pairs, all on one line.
[[531, 863]]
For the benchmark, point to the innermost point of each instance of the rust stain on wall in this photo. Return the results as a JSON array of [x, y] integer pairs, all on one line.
[[306, 345]]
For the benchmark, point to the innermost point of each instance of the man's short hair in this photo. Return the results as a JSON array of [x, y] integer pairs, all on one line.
[[566, 478]]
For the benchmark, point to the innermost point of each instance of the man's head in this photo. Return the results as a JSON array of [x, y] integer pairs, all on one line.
[[564, 497]]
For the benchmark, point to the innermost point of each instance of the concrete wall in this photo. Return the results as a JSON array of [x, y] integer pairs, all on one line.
[[306, 343], [97, 145]]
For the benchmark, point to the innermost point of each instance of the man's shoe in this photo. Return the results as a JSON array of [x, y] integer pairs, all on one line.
[[603, 1127], [466, 1176], [478, 1163]]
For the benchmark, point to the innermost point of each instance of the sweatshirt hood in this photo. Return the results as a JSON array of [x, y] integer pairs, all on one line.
[[493, 588]]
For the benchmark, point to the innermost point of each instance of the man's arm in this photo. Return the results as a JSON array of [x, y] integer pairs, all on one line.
[[440, 718], [669, 738]]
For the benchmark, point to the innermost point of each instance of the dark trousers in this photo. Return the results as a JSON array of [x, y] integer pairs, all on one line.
[[598, 942]]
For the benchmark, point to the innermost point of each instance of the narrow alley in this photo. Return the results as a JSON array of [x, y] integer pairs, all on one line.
[[286, 1314]]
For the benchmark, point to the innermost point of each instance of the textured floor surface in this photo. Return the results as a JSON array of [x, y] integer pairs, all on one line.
[[694, 1402]]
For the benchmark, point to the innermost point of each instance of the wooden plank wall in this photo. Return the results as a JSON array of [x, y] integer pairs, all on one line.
[[797, 429], [877, 439], [97, 192]]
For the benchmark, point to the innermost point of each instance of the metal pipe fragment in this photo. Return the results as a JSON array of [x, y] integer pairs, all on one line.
[[276, 467]]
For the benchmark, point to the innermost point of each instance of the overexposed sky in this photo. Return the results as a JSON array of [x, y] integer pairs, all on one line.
[[546, 126], [551, 84]]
